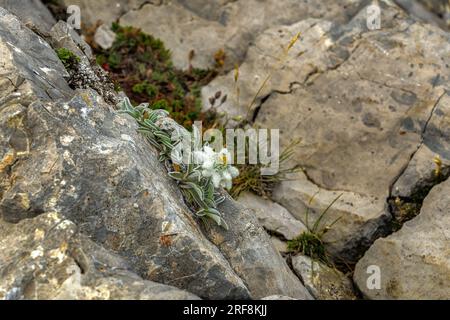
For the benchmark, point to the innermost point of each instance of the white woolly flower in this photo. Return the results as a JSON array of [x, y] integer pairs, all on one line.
[[215, 165]]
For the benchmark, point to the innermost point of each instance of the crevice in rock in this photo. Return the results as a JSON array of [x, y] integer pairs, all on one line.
[[274, 233], [138, 8], [316, 71], [403, 209], [292, 87], [424, 129]]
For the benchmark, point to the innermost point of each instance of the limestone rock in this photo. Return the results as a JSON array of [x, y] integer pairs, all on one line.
[[70, 152], [273, 216], [62, 36], [430, 11], [413, 263], [362, 101], [323, 282], [105, 11], [206, 26], [248, 249], [32, 13], [358, 218], [104, 37], [57, 262], [279, 245]]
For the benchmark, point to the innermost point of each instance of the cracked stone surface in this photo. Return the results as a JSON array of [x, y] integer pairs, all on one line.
[[70, 152], [207, 26], [421, 170], [370, 106], [414, 263], [364, 103]]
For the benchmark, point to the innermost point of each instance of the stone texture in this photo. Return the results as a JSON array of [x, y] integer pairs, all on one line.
[[32, 12], [362, 102], [106, 11], [248, 249], [323, 282], [104, 37], [361, 218], [207, 26], [57, 262], [415, 261], [279, 245], [62, 36], [272, 216], [439, 7], [430, 11], [420, 173], [70, 152]]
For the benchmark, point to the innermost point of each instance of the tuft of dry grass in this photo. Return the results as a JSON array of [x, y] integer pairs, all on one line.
[[250, 178]]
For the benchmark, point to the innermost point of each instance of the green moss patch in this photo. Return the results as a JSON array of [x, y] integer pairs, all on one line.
[[141, 66], [68, 58]]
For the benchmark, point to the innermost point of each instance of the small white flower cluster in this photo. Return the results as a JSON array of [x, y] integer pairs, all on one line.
[[215, 165]]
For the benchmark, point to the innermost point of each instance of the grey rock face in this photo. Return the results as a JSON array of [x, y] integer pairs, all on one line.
[[362, 102], [32, 12], [430, 11], [262, 269], [62, 36], [413, 263], [273, 216], [104, 37], [421, 172], [60, 263], [323, 282], [90, 164], [207, 26], [70, 152], [105, 11], [20, 46], [278, 298]]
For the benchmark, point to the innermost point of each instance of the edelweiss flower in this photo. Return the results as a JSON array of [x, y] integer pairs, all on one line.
[[216, 166]]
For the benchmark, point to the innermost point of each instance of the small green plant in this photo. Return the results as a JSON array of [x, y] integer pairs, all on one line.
[[308, 244], [143, 68], [206, 172], [68, 58], [311, 242]]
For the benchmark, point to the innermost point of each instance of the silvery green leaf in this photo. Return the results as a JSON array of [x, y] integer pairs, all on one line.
[[201, 213], [196, 137], [142, 106], [218, 220], [214, 211], [196, 189], [219, 199], [194, 176], [210, 203], [176, 175]]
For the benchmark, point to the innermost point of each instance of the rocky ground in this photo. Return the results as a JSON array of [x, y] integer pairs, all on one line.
[[88, 212]]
